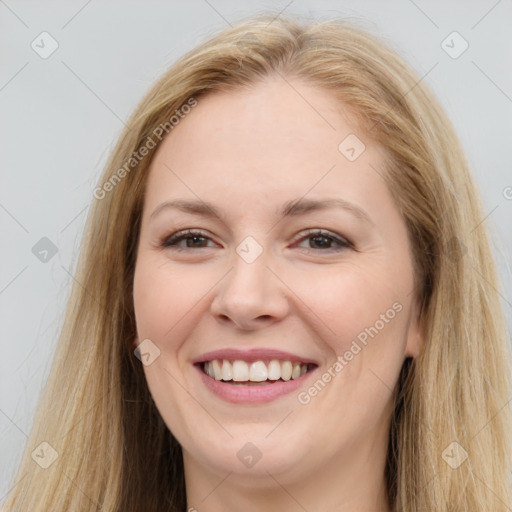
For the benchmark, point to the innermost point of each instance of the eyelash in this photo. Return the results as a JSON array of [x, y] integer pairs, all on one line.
[[174, 239]]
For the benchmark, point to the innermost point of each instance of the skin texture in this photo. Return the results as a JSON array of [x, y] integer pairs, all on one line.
[[248, 152]]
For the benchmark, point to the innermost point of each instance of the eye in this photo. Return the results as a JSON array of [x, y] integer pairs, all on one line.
[[324, 240], [192, 238]]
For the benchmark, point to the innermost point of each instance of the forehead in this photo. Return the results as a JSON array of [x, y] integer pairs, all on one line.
[[255, 144]]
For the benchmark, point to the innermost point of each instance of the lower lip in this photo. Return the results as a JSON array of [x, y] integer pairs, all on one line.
[[251, 394]]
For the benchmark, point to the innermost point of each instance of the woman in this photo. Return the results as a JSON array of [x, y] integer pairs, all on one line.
[[284, 302]]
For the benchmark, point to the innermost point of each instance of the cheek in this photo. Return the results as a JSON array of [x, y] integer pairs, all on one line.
[[164, 295], [164, 300], [362, 317], [350, 299]]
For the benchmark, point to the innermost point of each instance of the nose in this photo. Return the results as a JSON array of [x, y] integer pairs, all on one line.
[[251, 295]]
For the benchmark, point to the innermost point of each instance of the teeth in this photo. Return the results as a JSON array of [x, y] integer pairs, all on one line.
[[256, 371], [227, 370], [274, 370], [240, 371], [216, 370], [209, 370], [286, 370], [296, 370]]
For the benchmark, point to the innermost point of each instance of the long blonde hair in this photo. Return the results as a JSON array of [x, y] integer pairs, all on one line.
[[449, 447]]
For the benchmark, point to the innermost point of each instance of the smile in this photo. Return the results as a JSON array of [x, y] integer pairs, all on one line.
[[239, 371], [252, 382]]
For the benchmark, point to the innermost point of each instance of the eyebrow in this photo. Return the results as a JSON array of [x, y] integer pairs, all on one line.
[[293, 208]]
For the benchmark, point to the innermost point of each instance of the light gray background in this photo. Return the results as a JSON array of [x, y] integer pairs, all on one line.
[[61, 117]]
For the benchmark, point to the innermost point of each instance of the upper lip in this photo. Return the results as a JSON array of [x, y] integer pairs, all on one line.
[[255, 354]]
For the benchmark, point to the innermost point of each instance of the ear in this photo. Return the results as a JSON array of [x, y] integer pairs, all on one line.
[[135, 342], [415, 331]]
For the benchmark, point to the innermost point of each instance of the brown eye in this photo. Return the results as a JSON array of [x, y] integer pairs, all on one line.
[[324, 240], [193, 239]]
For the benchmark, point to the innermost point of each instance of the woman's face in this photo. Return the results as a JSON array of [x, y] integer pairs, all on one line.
[[260, 286]]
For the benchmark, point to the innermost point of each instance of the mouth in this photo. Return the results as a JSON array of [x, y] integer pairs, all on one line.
[[252, 382], [254, 373]]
